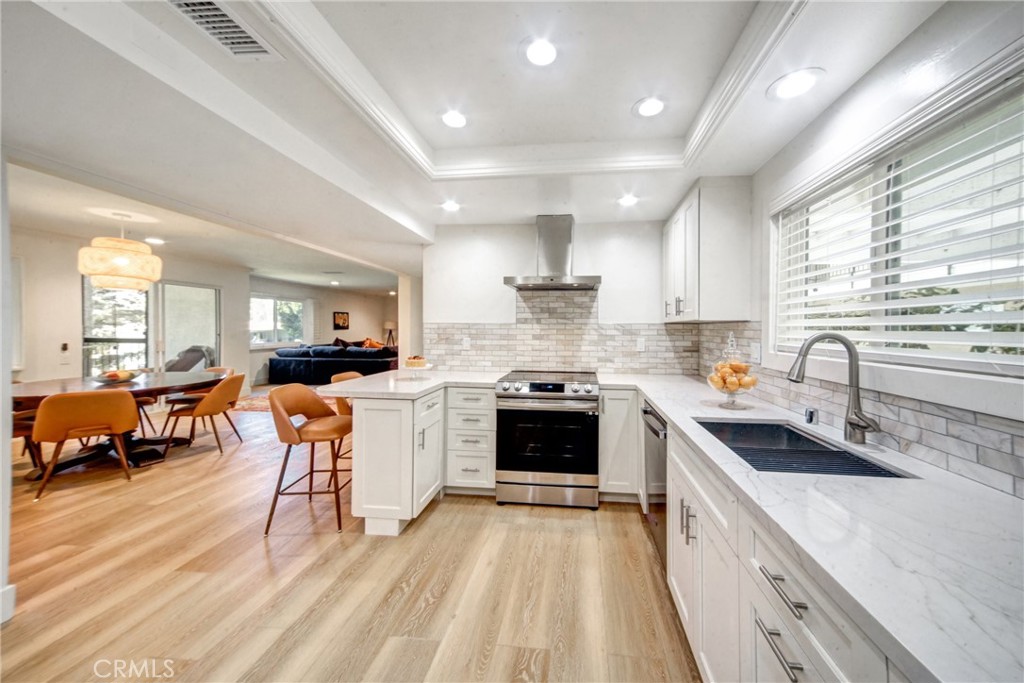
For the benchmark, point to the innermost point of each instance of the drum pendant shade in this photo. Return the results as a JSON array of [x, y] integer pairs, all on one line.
[[117, 263]]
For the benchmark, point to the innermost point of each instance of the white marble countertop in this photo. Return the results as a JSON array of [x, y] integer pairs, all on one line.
[[930, 568]]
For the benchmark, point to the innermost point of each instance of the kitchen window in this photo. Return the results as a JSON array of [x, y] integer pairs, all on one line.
[[917, 257], [274, 320]]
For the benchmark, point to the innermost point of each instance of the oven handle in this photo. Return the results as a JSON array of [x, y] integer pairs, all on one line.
[[551, 406]]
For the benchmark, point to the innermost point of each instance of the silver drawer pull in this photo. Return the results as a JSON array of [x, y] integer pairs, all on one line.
[[774, 579], [431, 405], [423, 439], [472, 399], [471, 419], [470, 440], [470, 469], [768, 633]]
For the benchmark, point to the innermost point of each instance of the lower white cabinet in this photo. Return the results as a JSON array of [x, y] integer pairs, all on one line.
[[470, 455], [428, 454], [703, 572], [619, 442]]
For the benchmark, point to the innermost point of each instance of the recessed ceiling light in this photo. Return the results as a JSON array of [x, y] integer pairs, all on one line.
[[451, 205], [628, 200], [453, 119], [334, 282], [154, 240], [392, 293], [541, 52], [126, 216], [649, 106], [794, 84]]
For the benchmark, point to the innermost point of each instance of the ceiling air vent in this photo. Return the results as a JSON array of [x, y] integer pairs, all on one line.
[[226, 29]]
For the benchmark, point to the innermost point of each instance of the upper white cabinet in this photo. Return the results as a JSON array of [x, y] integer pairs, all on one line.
[[619, 442], [706, 253]]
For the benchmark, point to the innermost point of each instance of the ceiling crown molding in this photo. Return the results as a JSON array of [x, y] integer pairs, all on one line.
[[763, 34]]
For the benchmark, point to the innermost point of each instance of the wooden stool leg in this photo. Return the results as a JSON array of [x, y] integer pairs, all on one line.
[[312, 447], [167, 421], [277, 491], [231, 422], [337, 482], [170, 436], [213, 426], [49, 470], [119, 445]]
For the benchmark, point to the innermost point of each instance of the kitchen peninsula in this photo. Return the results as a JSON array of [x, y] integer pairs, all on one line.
[[925, 571]]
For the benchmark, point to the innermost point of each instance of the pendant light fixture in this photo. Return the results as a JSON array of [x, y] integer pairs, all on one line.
[[119, 263]]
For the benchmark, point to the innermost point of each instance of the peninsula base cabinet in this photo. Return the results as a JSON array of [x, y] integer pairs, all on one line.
[[397, 468], [619, 442], [750, 610], [472, 419]]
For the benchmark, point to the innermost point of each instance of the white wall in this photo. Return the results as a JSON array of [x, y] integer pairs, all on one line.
[[463, 270], [958, 39], [7, 590]]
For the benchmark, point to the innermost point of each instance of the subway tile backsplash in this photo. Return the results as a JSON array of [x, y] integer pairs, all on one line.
[[558, 330]]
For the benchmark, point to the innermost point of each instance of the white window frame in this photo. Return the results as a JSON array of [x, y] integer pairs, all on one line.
[[307, 313], [988, 394]]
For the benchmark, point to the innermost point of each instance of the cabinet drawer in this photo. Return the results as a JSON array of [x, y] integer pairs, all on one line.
[[470, 398], [469, 418], [472, 470], [428, 408], [818, 623], [718, 501], [469, 440]]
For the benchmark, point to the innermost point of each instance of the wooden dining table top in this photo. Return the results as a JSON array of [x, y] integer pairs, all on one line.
[[30, 394]]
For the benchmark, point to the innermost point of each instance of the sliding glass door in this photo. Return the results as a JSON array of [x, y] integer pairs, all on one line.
[[189, 327]]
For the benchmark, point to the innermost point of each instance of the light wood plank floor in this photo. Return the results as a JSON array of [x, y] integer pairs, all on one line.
[[174, 566]]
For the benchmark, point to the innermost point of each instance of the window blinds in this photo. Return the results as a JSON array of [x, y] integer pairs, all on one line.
[[918, 257]]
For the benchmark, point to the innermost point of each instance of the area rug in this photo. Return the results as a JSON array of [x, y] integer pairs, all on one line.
[[253, 404]]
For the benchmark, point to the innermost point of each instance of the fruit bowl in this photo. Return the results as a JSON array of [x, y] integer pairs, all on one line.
[[731, 375], [115, 376]]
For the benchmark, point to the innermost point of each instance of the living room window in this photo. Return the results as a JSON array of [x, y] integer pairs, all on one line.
[[115, 324], [274, 320], [918, 256]]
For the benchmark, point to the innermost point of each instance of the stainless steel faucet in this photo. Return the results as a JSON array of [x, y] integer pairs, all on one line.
[[857, 423]]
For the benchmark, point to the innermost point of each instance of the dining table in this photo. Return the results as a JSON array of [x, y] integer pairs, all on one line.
[[141, 451]]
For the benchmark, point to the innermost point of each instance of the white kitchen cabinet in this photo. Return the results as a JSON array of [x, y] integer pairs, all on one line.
[[619, 442], [768, 650], [706, 253], [398, 449], [703, 572], [470, 456]]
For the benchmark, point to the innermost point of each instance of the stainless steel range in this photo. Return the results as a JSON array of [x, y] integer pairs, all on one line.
[[547, 438]]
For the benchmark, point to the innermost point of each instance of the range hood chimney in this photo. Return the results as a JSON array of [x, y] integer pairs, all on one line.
[[554, 260]]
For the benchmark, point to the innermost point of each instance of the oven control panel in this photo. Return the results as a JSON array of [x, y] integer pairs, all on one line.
[[509, 388]]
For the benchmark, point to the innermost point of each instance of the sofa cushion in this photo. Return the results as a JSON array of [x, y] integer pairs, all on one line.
[[357, 352], [338, 341], [328, 352], [301, 352]]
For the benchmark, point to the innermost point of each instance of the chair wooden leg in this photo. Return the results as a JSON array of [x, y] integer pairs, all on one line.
[[192, 432], [213, 427], [277, 491], [33, 452], [337, 482], [167, 421], [170, 437], [312, 450], [49, 470], [143, 419], [231, 422], [119, 446]]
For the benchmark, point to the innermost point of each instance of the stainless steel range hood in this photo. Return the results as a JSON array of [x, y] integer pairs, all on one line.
[[554, 260]]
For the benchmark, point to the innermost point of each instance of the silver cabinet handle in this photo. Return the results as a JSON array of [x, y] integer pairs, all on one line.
[[682, 516], [471, 399], [679, 303], [666, 309], [471, 419], [470, 469], [431, 405], [773, 580], [602, 405], [790, 667], [423, 439], [689, 527], [470, 440]]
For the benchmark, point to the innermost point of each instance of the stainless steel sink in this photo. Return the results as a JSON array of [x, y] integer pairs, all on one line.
[[773, 447]]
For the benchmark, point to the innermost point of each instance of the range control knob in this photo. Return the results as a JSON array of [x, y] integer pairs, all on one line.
[[587, 388], [505, 386], [518, 386], [575, 388]]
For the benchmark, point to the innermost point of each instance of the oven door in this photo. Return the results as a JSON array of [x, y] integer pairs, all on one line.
[[547, 442]]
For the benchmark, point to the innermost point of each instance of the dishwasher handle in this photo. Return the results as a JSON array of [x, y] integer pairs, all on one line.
[[654, 422]]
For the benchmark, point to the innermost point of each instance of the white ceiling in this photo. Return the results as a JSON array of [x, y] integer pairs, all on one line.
[[339, 145]]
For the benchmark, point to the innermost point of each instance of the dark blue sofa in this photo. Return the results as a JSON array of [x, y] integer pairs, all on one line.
[[316, 364]]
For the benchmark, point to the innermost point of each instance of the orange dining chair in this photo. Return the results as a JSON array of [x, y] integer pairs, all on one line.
[[82, 414], [344, 407], [196, 395], [217, 402], [321, 424]]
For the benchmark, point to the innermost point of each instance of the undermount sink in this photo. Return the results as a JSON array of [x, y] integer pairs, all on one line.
[[773, 447]]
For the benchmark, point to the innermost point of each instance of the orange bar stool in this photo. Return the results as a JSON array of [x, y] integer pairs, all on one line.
[[217, 402], [321, 424], [84, 414], [344, 407]]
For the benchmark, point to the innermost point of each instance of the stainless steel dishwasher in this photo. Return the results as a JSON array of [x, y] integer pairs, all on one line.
[[655, 475]]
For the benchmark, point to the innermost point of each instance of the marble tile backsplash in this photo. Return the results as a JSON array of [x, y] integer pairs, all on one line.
[[985, 448]]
